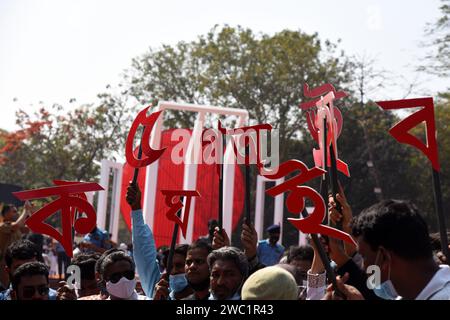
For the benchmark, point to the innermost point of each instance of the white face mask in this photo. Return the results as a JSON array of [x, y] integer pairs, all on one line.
[[123, 289]]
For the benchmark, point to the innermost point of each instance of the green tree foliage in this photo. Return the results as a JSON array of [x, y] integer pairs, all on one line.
[[264, 74], [438, 38], [233, 67], [421, 167], [52, 145]]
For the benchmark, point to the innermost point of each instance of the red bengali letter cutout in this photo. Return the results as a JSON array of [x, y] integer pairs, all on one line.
[[400, 131], [81, 195], [67, 198], [334, 125], [325, 109], [245, 138], [314, 120], [173, 201], [149, 155], [317, 92], [295, 200]]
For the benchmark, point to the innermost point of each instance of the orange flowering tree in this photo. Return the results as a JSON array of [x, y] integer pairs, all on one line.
[[57, 144]]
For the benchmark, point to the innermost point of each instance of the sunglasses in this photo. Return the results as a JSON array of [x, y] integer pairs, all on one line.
[[28, 292], [115, 277]]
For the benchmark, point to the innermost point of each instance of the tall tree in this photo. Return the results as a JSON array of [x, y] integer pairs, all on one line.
[[233, 67], [438, 38]]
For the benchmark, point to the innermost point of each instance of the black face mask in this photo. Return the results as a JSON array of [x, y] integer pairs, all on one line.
[[199, 286]]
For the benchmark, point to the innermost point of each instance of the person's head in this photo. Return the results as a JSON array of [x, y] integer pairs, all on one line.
[[212, 224], [270, 283], [30, 282], [196, 267], [229, 269], [298, 276], [117, 272], [392, 235], [301, 257], [177, 276], [435, 240], [98, 276], [18, 253], [178, 260], [274, 233], [86, 262], [9, 213]]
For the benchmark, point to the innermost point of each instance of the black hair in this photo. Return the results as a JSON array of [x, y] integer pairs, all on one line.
[[180, 249], [6, 209], [21, 250], [212, 222], [292, 270], [99, 262], [29, 269], [435, 240], [200, 244], [397, 226], [230, 254], [300, 253], [114, 257], [86, 262]]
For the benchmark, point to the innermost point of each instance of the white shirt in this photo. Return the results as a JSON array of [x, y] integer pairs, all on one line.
[[439, 286]]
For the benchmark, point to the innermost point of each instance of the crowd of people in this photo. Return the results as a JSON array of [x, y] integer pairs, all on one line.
[[391, 236]]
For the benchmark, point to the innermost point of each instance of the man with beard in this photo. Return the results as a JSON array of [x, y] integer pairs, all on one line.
[[269, 251], [229, 270], [197, 269], [196, 272]]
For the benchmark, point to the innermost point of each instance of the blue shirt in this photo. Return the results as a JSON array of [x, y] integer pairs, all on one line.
[[144, 253], [98, 238], [59, 248], [267, 254]]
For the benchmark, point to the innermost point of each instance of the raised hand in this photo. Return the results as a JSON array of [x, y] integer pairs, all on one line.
[[134, 196]]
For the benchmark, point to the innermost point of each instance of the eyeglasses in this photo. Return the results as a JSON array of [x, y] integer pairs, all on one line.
[[29, 291], [115, 277]]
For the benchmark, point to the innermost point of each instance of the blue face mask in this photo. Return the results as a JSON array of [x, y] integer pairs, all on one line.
[[178, 282], [385, 290]]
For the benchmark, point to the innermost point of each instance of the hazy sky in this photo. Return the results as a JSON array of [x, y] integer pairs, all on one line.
[[54, 50]]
